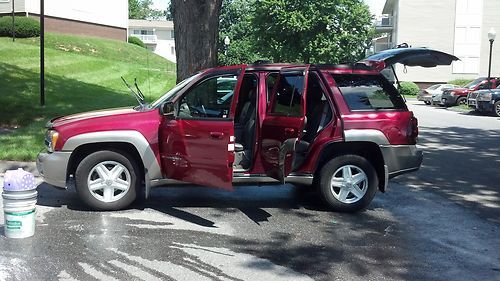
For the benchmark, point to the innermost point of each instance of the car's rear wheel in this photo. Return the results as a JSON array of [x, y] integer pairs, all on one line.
[[462, 101], [107, 180], [427, 102], [496, 108], [348, 183]]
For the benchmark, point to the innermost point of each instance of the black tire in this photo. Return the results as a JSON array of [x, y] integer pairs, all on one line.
[[86, 167], [496, 108], [355, 162], [427, 102], [461, 100]]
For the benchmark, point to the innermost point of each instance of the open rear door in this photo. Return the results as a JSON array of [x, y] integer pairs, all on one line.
[[284, 122], [410, 57]]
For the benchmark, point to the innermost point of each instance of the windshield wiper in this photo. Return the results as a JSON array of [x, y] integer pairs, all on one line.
[[138, 95]]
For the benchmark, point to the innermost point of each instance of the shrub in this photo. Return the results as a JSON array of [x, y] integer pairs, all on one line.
[[409, 89], [460, 82], [25, 27], [136, 41]]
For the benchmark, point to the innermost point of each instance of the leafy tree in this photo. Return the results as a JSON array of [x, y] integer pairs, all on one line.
[[141, 9], [329, 31], [235, 23]]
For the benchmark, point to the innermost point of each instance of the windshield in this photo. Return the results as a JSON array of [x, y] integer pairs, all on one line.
[[474, 83], [168, 95]]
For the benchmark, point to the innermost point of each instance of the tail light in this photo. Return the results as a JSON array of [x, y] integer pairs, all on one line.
[[413, 130]]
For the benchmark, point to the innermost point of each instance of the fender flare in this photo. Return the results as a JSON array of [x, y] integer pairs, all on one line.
[[152, 168]]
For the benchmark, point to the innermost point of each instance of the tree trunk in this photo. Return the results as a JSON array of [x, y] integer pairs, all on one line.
[[196, 25]]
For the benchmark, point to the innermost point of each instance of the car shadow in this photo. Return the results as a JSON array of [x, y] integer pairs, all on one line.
[[461, 164]]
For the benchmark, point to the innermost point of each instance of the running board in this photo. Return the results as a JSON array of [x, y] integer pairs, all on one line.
[[241, 178]]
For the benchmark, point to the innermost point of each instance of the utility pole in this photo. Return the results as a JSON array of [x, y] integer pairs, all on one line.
[[13, 22], [42, 54]]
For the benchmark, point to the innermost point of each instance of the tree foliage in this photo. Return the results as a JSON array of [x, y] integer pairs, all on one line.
[[141, 9], [235, 23], [329, 31]]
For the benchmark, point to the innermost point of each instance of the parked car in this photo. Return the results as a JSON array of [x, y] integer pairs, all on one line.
[[459, 95], [427, 95], [485, 101], [342, 128]]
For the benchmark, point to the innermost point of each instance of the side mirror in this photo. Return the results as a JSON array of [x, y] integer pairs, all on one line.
[[167, 109]]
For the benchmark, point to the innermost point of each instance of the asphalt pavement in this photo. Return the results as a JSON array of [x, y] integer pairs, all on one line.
[[441, 223]]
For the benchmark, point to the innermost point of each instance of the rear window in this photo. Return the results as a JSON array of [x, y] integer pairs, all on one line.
[[368, 92]]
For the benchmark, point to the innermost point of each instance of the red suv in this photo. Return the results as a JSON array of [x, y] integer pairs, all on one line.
[[342, 128]]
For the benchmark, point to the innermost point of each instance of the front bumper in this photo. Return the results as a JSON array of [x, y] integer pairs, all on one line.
[[53, 167], [485, 106], [401, 159], [448, 100]]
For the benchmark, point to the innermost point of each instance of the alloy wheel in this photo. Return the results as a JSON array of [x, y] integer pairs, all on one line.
[[349, 184], [109, 181]]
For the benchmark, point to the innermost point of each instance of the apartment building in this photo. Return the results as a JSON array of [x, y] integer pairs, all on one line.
[[158, 35], [458, 27], [106, 19]]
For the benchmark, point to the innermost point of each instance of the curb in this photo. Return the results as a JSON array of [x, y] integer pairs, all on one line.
[[13, 165]]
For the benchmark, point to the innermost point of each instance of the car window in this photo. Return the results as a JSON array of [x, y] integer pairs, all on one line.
[[288, 99], [368, 92], [471, 85], [209, 99], [433, 87], [270, 81], [484, 86]]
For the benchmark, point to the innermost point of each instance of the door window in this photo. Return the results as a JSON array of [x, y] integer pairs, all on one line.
[[288, 99], [211, 98]]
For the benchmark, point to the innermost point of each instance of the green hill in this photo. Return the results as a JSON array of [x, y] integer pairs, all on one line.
[[81, 74]]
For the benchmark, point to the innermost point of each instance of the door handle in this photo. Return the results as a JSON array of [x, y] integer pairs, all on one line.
[[289, 131], [216, 135]]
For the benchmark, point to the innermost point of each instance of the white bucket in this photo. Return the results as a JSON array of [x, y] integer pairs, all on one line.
[[19, 210]]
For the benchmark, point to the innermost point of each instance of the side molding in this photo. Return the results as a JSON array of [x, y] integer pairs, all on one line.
[[152, 170], [370, 135]]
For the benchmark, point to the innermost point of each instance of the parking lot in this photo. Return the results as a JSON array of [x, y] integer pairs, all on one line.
[[440, 223]]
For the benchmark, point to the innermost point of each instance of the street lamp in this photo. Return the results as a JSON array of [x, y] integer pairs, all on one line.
[[491, 36], [227, 41]]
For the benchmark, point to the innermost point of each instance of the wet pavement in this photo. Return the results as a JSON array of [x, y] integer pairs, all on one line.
[[415, 231]]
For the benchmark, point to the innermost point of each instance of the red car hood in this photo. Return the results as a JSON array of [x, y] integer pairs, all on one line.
[[460, 90], [89, 115]]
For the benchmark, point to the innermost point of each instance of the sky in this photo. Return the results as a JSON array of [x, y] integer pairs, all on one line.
[[376, 6]]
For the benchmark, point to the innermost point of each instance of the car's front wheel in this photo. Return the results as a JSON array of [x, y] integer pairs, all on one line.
[[462, 101], [107, 180], [348, 183], [496, 108]]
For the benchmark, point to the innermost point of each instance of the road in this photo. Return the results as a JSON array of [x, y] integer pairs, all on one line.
[[441, 223]]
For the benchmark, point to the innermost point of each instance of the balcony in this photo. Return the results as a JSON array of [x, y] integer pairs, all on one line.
[[147, 39], [384, 23]]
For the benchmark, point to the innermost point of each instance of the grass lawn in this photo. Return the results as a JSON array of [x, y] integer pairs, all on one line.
[[81, 74]]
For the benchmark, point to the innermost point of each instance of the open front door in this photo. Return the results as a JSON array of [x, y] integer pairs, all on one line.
[[284, 122], [197, 143]]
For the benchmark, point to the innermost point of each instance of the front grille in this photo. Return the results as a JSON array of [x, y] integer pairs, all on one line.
[[473, 95]]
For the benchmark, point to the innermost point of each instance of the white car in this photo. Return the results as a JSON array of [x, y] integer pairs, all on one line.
[[437, 92]]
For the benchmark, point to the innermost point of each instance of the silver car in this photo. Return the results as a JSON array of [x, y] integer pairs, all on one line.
[[437, 93]]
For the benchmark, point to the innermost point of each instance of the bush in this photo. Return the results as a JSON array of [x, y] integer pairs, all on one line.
[[460, 82], [136, 41], [409, 89], [25, 27]]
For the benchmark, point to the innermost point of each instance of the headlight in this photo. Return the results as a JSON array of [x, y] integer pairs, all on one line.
[[484, 97], [51, 139]]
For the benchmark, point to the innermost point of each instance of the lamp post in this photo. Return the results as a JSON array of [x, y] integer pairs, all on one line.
[[227, 41], [491, 36], [13, 21]]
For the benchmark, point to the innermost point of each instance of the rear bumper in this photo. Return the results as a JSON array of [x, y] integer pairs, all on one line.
[[53, 167], [401, 159]]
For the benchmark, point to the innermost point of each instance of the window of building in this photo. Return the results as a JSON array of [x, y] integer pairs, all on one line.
[[172, 34], [467, 41], [172, 50]]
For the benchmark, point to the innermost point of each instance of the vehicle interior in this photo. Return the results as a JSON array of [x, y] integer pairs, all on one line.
[[244, 125], [318, 115]]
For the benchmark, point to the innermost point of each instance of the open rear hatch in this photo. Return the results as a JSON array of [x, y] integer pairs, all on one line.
[[410, 57]]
